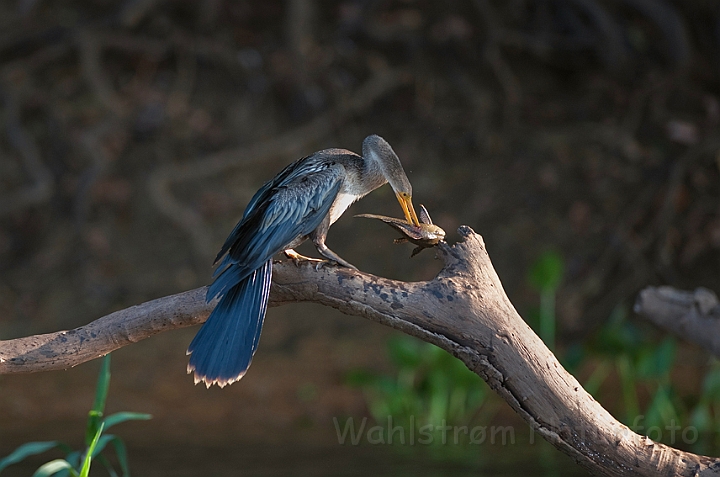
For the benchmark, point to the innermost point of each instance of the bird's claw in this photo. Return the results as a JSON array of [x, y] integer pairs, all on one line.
[[334, 263]]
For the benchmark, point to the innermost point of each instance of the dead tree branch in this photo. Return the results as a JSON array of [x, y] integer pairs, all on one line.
[[692, 315], [464, 310]]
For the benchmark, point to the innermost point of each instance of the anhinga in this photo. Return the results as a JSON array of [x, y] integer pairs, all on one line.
[[301, 202]]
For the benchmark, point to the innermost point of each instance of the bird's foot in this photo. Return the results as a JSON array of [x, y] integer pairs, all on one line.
[[324, 263], [344, 263], [297, 258], [332, 256], [334, 263]]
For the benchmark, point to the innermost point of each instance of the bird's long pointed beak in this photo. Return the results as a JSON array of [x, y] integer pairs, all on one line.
[[408, 209]]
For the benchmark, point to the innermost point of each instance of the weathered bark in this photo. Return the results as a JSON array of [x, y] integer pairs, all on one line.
[[692, 315], [463, 310]]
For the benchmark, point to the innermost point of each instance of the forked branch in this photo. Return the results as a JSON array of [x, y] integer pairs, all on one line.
[[464, 310]]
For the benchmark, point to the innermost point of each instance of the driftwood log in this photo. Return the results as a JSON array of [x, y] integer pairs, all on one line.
[[464, 310], [692, 315]]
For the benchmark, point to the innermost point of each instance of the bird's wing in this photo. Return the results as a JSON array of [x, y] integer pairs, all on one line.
[[283, 177], [289, 209], [262, 195]]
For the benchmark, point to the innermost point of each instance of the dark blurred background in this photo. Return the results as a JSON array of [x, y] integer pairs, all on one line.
[[132, 134]]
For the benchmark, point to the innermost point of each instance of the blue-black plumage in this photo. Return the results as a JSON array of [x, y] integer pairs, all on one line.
[[299, 203]]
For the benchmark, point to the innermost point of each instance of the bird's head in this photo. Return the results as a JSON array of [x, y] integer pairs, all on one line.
[[377, 150]]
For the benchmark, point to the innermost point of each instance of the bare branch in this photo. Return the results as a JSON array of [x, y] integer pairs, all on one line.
[[464, 310], [692, 315]]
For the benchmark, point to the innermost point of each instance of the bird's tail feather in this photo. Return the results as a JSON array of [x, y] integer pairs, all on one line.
[[222, 350]]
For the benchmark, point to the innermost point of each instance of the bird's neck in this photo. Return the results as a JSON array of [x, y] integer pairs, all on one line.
[[372, 177]]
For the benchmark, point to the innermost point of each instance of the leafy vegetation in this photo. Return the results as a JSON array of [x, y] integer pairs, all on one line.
[[650, 403], [77, 463], [545, 276], [428, 388]]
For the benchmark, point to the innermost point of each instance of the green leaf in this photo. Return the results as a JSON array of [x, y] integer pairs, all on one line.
[[123, 416], [103, 384], [619, 336], [547, 317], [405, 351], [103, 441], [711, 384], [108, 466], [26, 450], [597, 378], [575, 355], [461, 376], [656, 363], [547, 271], [665, 356], [701, 418], [625, 371], [360, 378], [120, 450], [121, 453], [74, 458], [661, 410], [53, 467], [101, 391], [85, 469]]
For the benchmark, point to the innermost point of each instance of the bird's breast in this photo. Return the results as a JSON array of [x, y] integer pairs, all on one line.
[[342, 202]]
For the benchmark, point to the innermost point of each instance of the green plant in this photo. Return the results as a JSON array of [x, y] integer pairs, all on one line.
[[77, 463], [705, 416], [429, 387], [545, 276], [641, 363]]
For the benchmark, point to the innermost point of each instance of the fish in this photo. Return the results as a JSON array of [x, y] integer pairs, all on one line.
[[425, 235]]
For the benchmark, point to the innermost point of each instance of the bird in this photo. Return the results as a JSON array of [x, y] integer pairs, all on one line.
[[299, 203]]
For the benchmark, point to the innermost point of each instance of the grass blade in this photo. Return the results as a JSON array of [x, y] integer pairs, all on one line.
[[121, 453], [101, 443], [53, 467], [123, 416], [120, 450], [26, 450], [108, 466], [101, 392], [85, 469]]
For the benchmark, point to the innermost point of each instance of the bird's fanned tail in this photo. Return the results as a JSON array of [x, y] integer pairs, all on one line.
[[222, 350]]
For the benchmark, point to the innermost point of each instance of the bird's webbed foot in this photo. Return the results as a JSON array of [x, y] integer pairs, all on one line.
[[329, 254]]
